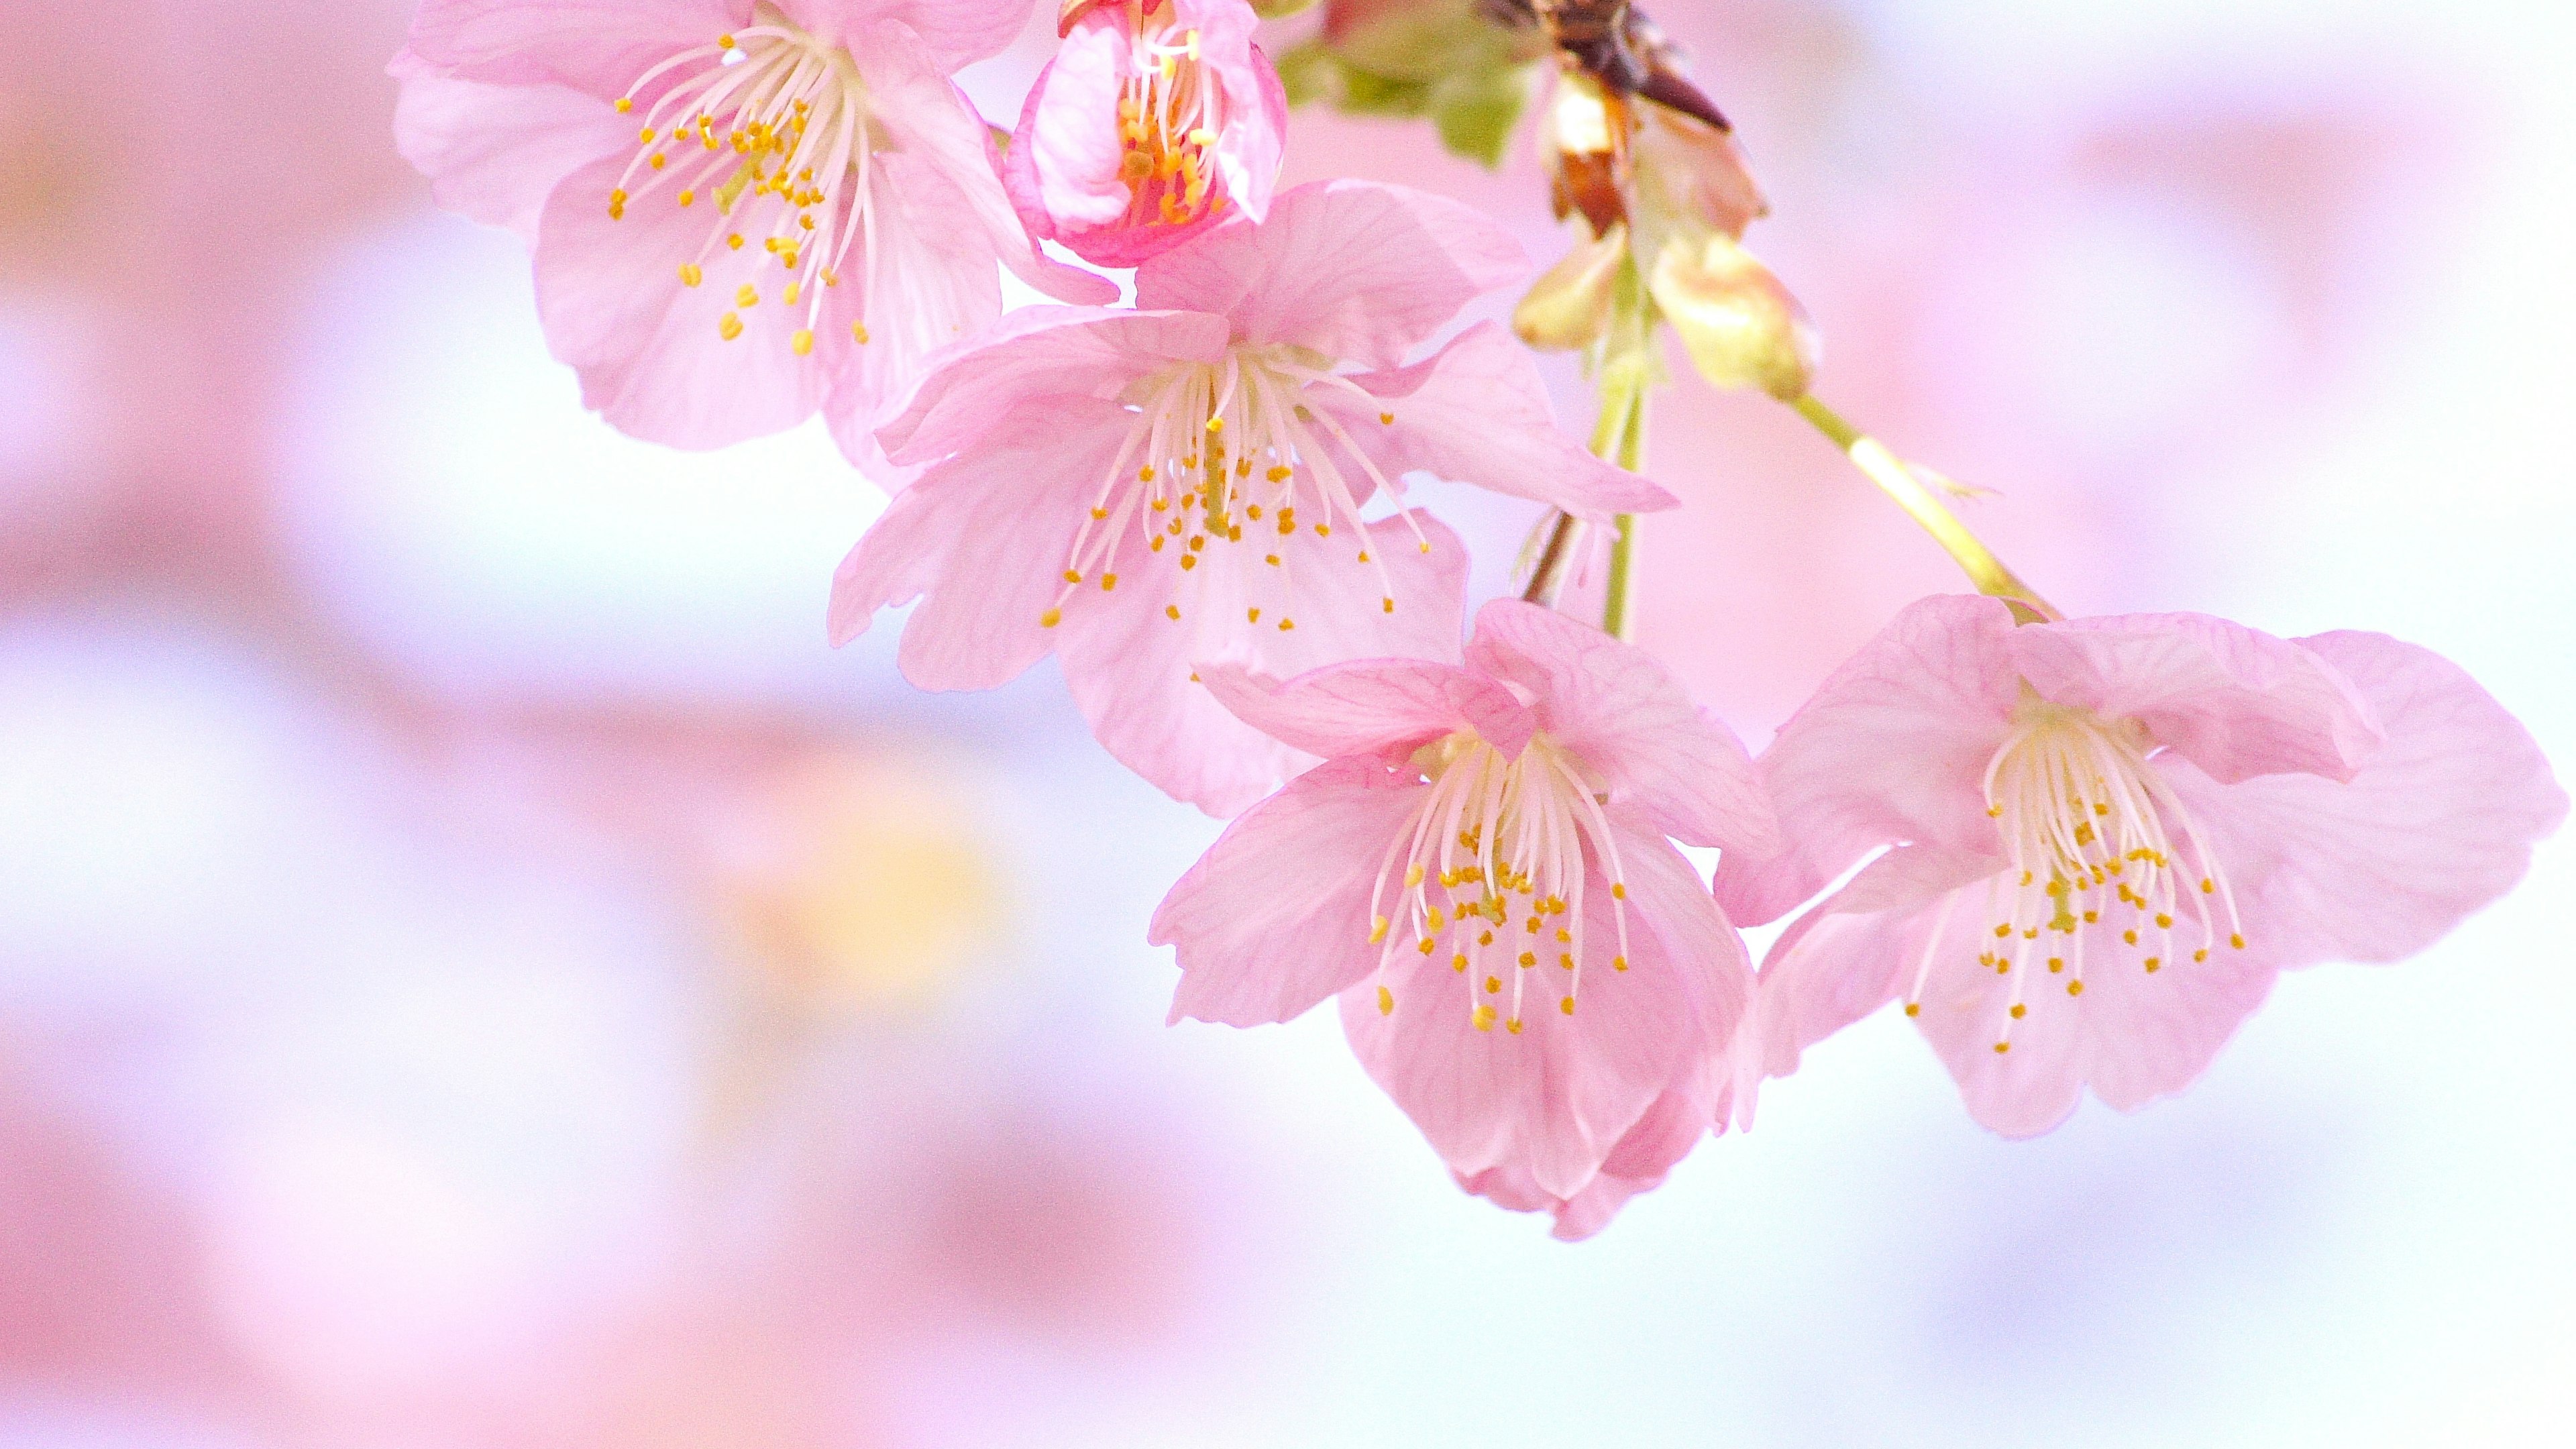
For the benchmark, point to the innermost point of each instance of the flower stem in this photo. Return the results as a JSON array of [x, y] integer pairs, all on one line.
[[1620, 437], [1899, 483], [1631, 455]]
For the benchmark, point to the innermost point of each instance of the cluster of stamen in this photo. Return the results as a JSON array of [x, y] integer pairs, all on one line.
[[2103, 859], [1222, 471], [1491, 871], [767, 128], [1170, 116]]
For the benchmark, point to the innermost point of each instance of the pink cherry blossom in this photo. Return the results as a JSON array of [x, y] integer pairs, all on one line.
[[742, 213], [1157, 120], [1145, 492], [1490, 845], [2111, 835]]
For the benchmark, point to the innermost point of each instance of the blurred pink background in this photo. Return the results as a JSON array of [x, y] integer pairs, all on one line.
[[476, 970]]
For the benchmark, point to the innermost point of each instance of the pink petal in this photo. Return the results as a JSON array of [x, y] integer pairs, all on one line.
[[2235, 702], [985, 536], [1477, 412], [1893, 748], [1557, 1100], [1371, 706], [2438, 823], [2132, 1036], [1632, 724], [494, 153], [1038, 353], [957, 32], [652, 359], [1130, 665], [1355, 271], [1856, 951], [1275, 917], [935, 128], [600, 47]]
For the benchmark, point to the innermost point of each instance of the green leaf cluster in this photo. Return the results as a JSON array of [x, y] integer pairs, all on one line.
[[1435, 59]]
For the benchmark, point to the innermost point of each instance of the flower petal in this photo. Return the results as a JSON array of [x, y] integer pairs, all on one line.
[[1275, 917], [600, 47], [2236, 702], [494, 153], [985, 536], [1477, 412], [1556, 1100], [1616, 708], [1371, 706], [2437, 824], [958, 32], [1353, 270], [1038, 353], [1856, 951], [1893, 748], [1131, 665]]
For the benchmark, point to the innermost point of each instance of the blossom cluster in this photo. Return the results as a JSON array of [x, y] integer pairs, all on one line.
[[2077, 851]]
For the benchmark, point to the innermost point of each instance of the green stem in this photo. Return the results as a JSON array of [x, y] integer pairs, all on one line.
[[1615, 620], [1899, 483]]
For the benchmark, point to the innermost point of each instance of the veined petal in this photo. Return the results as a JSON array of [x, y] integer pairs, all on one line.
[[494, 153], [1557, 1100], [1130, 664], [2234, 701], [1891, 749], [1272, 920], [2437, 824], [1371, 706], [1477, 412], [1616, 707], [957, 32], [595, 46], [1038, 353], [981, 535], [1351, 270]]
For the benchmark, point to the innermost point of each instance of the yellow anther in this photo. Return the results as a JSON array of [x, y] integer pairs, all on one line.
[[1618, 963], [1387, 418], [1513, 1026], [1484, 1018], [1050, 618], [1377, 931], [1389, 605], [1072, 576], [802, 343], [1272, 560], [734, 241], [724, 42], [1413, 875], [2129, 936], [2056, 963], [651, 135], [1108, 582], [659, 161], [1426, 946], [1493, 984], [2002, 932], [2201, 954], [1385, 1002], [2002, 1046], [730, 327], [2236, 941], [1528, 959], [1189, 561], [1172, 612], [2163, 921], [625, 104], [2075, 988], [2019, 1011], [1914, 1008], [749, 296], [689, 198], [1252, 615], [691, 275], [859, 333], [1458, 962]]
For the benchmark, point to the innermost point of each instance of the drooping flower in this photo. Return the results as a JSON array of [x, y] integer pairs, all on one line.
[[742, 212], [1146, 492], [1483, 870], [1157, 120], [2110, 836]]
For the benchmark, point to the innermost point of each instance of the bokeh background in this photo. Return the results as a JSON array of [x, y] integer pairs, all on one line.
[[475, 969]]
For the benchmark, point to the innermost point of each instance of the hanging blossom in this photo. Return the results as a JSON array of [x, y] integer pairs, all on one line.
[[742, 213], [1483, 870], [1158, 120], [1145, 492], [2110, 836]]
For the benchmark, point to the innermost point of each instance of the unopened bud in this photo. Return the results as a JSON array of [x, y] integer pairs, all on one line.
[[1570, 307], [1743, 328]]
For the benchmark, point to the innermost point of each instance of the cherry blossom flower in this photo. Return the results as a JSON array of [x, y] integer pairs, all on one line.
[[742, 213], [2111, 835], [1144, 492], [1157, 120], [1484, 871]]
